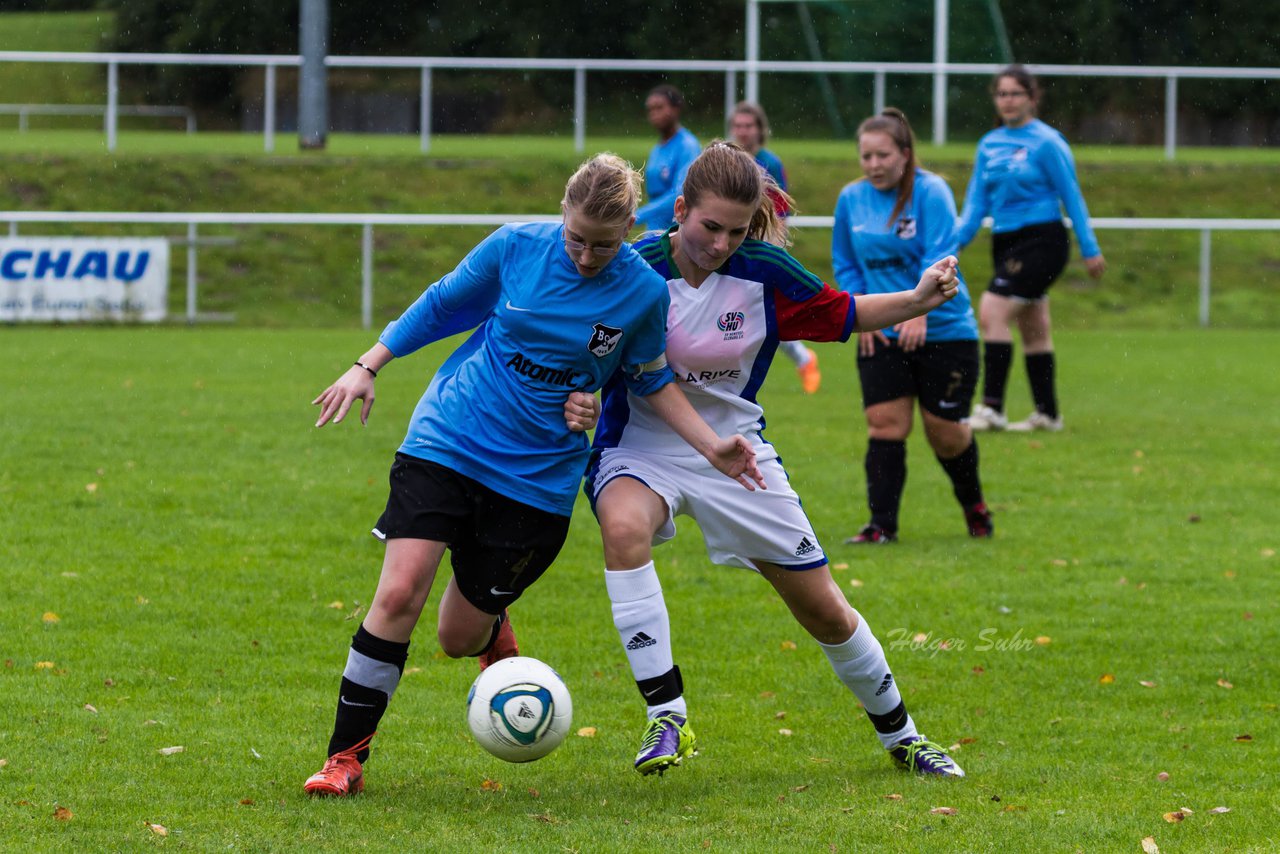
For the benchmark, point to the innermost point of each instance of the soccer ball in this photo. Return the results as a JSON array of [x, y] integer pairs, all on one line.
[[519, 709]]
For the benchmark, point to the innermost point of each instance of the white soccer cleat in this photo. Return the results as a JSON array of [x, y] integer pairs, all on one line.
[[984, 417], [1036, 421]]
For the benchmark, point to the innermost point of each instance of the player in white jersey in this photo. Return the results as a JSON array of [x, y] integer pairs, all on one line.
[[734, 295]]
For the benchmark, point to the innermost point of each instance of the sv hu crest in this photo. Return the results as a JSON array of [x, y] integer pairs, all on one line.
[[603, 340]]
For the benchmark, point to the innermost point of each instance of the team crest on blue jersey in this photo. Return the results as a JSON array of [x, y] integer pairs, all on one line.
[[603, 340], [731, 323], [906, 227], [1020, 155]]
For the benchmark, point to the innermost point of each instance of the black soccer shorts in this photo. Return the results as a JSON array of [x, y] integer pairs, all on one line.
[[1028, 261], [941, 374], [498, 546]]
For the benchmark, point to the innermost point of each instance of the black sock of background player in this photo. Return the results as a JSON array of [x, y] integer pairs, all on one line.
[[1040, 369], [373, 671], [963, 471], [997, 357], [886, 466]]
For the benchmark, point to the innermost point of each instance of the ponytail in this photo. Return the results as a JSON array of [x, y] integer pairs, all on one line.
[[893, 122]]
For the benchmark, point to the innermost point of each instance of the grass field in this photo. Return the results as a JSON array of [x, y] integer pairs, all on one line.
[[49, 83], [185, 558]]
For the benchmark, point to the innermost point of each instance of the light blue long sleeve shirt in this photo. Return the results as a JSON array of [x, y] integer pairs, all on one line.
[[664, 175], [871, 255], [1020, 176]]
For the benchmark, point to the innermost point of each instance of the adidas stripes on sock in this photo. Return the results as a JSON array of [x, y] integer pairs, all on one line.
[[640, 616], [997, 358], [373, 671], [861, 666]]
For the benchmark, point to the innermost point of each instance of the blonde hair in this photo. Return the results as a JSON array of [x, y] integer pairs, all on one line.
[[606, 189], [726, 170]]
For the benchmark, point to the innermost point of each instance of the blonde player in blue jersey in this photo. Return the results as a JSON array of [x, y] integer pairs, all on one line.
[[749, 127], [734, 296], [1023, 175], [493, 456], [890, 225]]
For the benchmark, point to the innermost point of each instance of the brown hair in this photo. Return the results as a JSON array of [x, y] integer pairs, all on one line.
[[750, 108], [606, 188], [893, 122], [1023, 78], [724, 169]]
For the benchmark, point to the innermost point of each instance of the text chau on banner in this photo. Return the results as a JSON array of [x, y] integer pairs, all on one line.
[[83, 278]]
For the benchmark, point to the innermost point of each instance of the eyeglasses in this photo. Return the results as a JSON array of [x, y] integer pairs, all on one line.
[[577, 248], [1011, 93]]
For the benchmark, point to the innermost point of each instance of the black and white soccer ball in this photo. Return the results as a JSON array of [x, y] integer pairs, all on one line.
[[519, 709]]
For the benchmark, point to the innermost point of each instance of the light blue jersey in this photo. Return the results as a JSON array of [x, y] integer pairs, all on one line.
[[495, 410], [1019, 177], [872, 255], [664, 175], [773, 165]]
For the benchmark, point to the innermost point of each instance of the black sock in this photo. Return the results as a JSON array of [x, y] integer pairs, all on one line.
[[374, 667], [1040, 369], [997, 357], [963, 471], [886, 466]]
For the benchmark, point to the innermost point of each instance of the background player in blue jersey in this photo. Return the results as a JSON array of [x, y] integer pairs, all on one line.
[[890, 226], [1023, 175], [670, 158], [734, 295], [491, 463], [749, 126]]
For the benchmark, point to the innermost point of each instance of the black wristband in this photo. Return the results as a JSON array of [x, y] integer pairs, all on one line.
[[360, 364]]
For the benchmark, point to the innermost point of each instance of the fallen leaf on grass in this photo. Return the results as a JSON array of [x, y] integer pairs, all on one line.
[[490, 785], [784, 731], [919, 637], [1162, 776], [799, 788], [545, 818], [765, 695], [1059, 562], [1035, 444], [1044, 640], [534, 793], [1149, 845], [978, 671], [587, 732], [1194, 517], [169, 751], [1229, 574], [968, 739], [157, 829], [706, 843], [1268, 552], [50, 617], [246, 802], [1174, 817], [88, 707], [780, 716], [1107, 678], [943, 811], [1146, 683], [142, 600], [63, 814], [1247, 615], [1244, 737], [337, 605], [840, 566], [91, 488], [412, 670], [855, 582], [1219, 810], [45, 665], [893, 797], [1014, 808], [1222, 683], [3, 762], [788, 645]]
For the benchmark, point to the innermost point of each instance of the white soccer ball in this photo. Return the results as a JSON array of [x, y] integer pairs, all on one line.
[[519, 709]]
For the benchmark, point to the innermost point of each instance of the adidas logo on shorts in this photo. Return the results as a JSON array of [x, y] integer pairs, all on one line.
[[805, 547], [886, 684], [640, 640]]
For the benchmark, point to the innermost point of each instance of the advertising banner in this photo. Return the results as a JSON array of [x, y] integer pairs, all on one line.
[[70, 279]]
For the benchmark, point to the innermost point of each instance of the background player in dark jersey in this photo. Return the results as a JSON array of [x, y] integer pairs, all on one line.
[[749, 126], [1023, 175], [735, 294], [489, 468], [669, 160], [890, 226]]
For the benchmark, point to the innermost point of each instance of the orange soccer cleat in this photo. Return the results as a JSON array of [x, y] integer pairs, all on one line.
[[504, 644], [810, 376], [342, 775]]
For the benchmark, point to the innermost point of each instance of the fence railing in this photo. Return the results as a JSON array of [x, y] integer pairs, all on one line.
[[729, 68], [24, 111], [367, 222]]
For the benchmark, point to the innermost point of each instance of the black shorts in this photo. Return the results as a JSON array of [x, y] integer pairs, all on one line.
[[499, 546], [942, 375], [1027, 261]]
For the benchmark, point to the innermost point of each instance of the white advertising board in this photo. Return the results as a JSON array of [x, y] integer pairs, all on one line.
[[70, 279]]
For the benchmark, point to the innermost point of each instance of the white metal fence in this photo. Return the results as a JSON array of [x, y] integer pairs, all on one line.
[[367, 222], [425, 65], [25, 111]]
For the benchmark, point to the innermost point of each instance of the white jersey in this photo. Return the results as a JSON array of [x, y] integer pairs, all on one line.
[[721, 338]]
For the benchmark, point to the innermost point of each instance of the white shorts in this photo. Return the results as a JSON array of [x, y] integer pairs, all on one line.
[[739, 527]]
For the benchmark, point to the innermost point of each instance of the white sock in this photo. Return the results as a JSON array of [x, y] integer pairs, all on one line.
[[861, 665], [796, 352], [640, 615]]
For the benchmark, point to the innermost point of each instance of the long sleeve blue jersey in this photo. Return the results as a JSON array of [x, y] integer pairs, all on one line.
[[495, 410], [871, 255], [664, 175], [1019, 177]]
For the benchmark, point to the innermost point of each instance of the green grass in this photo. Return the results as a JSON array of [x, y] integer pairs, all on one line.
[[193, 584], [50, 83], [315, 272]]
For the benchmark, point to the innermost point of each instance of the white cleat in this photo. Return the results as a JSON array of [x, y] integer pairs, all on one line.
[[986, 418], [1037, 421]]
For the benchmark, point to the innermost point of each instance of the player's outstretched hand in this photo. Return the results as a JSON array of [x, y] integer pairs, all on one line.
[[1097, 265], [581, 411], [734, 457], [939, 283], [355, 384]]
